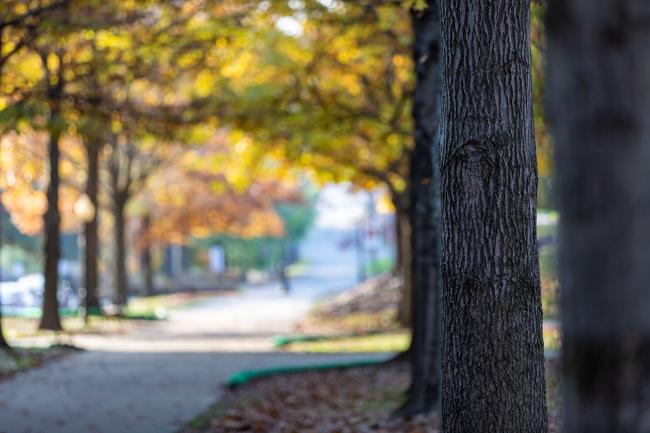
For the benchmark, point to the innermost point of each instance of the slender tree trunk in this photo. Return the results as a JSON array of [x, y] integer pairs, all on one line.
[[425, 214], [599, 94], [52, 220], [91, 235], [3, 341], [147, 269], [145, 260], [402, 214], [398, 245], [492, 348], [119, 231]]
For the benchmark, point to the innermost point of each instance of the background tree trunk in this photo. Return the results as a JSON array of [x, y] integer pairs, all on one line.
[[403, 221], [119, 231], [91, 275], [425, 214], [52, 220], [3, 342], [492, 348], [398, 245], [145, 260], [147, 269], [599, 94]]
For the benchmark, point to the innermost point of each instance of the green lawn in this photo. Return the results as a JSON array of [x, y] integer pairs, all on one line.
[[147, 308], [385, 342], [389, 342]]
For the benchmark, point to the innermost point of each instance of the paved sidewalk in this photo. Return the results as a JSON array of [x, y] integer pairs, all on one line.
[[157, 379]]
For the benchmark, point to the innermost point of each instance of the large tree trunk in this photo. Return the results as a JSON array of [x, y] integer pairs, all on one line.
[[52, 220], [91, 236], [599, 93], [492, 348], [119, 232], [405, 255], [425, 214]]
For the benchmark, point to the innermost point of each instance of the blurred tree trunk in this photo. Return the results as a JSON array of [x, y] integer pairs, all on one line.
[[145, 259], [398, 245], [425, 215], [492, 348], [405, 254], [91, 276], [52, 220], [147, 269], [120, 168], [119, 233], [599, 94], [3, 341]]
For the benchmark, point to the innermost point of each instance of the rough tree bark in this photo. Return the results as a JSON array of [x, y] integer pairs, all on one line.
[[599, 95], [425, 214], [52, 220], [492, 349], [91, 236]]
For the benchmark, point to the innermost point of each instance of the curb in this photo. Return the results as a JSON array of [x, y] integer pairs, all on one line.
[[281, 341], [245, 376]]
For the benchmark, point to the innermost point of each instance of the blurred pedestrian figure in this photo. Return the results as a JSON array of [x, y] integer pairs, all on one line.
[[284, 279]]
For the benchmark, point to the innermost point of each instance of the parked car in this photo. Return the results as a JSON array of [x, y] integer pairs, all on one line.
[[27, 291]]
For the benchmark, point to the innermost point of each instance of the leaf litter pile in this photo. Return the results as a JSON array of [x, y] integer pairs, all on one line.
[[358, 400], [336, 401], [371, 306]]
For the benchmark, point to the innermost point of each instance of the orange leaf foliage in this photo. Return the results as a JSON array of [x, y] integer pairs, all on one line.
[[190, 197]]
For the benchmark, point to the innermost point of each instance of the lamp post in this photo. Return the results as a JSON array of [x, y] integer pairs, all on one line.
[[84, 211]]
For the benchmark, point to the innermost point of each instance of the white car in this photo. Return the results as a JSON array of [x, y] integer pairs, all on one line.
[[27, 291]]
